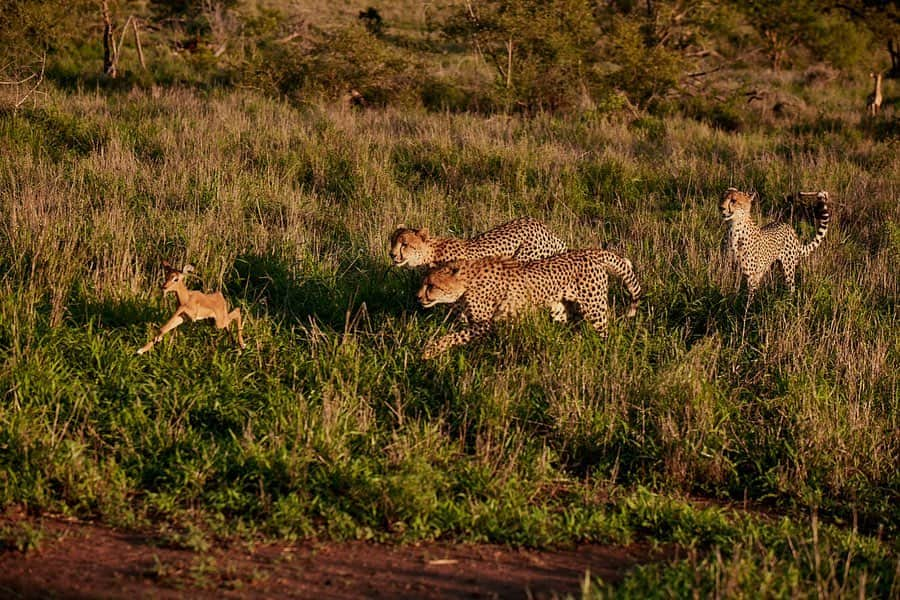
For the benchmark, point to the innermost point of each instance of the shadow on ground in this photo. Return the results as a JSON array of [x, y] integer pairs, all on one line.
[[329, 299]]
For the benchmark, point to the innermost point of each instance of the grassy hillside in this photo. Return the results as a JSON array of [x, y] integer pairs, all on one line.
[[329, 424]]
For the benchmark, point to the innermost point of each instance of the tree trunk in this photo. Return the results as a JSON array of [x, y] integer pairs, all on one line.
[[894, 73], [109, 43]]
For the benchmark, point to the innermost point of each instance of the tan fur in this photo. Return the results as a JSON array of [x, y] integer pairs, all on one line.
[[874, 100], [756, 249], [494, 288], [195, 306], [523, 239]]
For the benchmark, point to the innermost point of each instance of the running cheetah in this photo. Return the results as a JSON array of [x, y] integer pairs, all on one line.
[[524, 239], [493, 288], [755, 248]]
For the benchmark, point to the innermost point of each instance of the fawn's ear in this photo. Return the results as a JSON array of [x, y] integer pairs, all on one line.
[[166, 264], [187, 268]]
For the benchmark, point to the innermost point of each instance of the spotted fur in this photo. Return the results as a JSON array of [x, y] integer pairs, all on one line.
[[494, 288], [523, 239], [756, 248]]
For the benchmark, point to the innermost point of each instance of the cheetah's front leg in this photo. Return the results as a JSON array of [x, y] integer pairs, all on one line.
[[457, 338]]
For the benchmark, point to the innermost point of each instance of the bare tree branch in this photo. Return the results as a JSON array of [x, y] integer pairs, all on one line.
[[40, 79], [137, 42], [706, 72], [109, 43], [21, 81]]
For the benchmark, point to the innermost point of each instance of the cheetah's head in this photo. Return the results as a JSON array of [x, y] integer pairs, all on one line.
[[411, 247], [443, 285], [734, 202]]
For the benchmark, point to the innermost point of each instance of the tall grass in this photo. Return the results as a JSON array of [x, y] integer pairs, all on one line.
[[330, 424]]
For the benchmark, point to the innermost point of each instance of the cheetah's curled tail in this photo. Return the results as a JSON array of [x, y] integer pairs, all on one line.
[[823, 216], [623, 268]]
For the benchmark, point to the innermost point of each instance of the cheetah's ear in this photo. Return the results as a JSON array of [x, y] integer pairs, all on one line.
[[424, 233], [401, 226]]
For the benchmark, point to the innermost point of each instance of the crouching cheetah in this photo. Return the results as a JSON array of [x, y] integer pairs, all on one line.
[[493, 288], [523, 239], [755, 249]]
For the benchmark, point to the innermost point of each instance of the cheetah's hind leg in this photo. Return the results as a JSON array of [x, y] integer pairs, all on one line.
[[559, 313], [596, 312], [787, 269]]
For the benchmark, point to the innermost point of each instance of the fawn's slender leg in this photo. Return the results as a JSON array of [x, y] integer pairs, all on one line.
[[235, 315], [224, 321], [171, 324]]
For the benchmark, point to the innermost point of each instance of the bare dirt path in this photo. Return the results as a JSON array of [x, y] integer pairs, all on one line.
[[82, 560]]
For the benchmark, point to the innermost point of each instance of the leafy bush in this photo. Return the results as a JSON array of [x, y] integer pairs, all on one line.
[[541, 52], [644, 70], [29, 28], [840, 42], [348, 59]]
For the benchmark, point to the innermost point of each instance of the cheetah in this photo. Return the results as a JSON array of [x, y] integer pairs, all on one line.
[[524, 239], [755, 249], [493, 288]]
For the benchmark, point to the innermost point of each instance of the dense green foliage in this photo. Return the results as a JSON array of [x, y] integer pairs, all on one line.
[[522, 56], [329, 424]]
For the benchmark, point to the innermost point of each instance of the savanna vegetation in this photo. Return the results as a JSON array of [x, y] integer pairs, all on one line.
[[276, 146]]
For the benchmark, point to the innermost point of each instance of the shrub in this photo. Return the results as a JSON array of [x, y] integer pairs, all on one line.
[[840, 42], [540, 52], [347, 59], [638, 66]]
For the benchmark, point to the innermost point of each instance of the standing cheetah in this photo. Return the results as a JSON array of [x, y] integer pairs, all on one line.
[[523, 239], [493, 288], [755, 248]]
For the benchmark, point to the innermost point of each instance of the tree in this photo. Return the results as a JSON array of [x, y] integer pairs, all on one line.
[[541, 51], [882, 18], [781, 23]]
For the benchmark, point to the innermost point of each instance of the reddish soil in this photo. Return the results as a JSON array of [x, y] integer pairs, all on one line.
[[82, 560]]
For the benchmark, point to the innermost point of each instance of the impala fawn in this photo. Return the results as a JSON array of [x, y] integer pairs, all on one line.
[[194, 306], [874, 100]]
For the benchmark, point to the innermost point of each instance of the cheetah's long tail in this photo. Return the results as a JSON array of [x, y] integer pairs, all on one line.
[[823, 216], [622, 267]]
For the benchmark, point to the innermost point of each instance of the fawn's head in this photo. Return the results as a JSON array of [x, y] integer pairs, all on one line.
[[174, 277]]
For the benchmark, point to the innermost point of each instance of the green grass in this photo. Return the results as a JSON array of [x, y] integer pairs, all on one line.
[[329, 424]]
